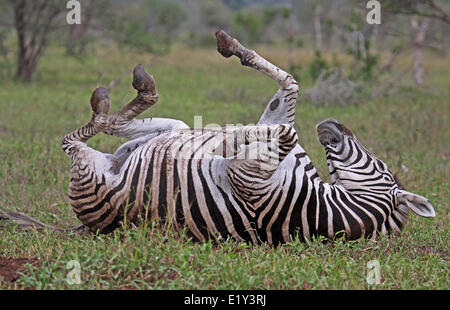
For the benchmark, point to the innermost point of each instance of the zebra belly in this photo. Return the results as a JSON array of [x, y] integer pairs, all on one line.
[[152, 184]]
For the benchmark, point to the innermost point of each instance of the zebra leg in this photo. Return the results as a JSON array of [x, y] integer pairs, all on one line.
[[74, 144], [281, 108], [123, 123]]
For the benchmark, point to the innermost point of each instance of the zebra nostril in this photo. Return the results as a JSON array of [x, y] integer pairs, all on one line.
[[334, 140], [327, 137]]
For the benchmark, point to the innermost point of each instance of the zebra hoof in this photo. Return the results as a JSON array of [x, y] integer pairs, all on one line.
[[226, 45], [100, 102], [142, 81]]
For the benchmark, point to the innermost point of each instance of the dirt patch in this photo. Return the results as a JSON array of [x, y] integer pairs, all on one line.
[[11, 267]]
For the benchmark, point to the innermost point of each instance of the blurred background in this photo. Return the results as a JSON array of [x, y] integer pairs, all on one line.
[[29, 27], [388, 82]]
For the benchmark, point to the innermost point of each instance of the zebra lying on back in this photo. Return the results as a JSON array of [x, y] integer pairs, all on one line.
[[251, 183]]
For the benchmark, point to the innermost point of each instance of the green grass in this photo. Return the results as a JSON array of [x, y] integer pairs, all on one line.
[[408, 129]]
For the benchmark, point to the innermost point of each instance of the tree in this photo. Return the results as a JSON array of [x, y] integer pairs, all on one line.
[[33, 21], [78, 35], [423, 8], [317, 8], [419, 30], [148, 26], [426, 9], [249, 25], [165, 17]]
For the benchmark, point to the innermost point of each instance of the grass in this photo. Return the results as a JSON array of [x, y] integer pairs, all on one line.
[[409, 131]]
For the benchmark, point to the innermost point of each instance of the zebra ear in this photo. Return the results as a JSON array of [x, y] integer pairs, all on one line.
[[418, 204]]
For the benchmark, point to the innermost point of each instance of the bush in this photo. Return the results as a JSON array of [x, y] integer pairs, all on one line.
[[364, 62], [249, 25], [333, 87], [317, 66], [133, 33]]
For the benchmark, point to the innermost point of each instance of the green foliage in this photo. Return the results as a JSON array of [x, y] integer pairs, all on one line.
[[328, 23], [437, 10], [5, 63], [214, 14], [201, 40], [169, 15], [296, 71], [355, 21], [364, 62], [286, 13], [248, 24], [134, 33], [149, 28], [363, 67], [317, 66], [269, 15]]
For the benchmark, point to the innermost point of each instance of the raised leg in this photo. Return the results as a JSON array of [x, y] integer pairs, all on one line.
[[141, 131], [75, 143], [123, 123], [281, 108]]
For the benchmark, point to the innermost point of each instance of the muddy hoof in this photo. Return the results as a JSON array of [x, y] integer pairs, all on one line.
[[226, 45], [142, 81], [100, 102]]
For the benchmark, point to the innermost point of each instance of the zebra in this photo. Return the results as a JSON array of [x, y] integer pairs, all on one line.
[[204, 180]]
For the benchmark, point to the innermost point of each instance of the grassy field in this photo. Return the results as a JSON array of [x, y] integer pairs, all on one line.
[[409, 131]]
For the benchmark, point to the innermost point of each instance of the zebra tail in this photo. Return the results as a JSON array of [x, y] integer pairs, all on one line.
[[25, 221]]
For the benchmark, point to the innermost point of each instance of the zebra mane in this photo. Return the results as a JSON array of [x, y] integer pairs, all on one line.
[[401, 185]]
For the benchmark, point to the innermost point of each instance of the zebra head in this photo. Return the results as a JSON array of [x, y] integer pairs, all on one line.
[[356, 169]]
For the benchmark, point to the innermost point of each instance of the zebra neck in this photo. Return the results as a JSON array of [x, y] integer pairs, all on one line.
[[341, 212]]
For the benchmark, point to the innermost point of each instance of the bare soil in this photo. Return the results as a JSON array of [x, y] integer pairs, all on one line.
[[10, 268]]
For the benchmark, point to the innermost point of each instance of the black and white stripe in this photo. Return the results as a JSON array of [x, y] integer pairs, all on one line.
[[251, 183]]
